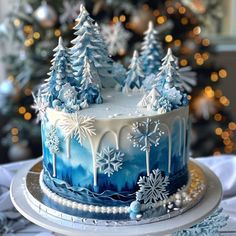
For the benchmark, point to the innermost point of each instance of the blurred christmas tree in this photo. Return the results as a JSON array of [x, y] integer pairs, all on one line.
[[31, 31]]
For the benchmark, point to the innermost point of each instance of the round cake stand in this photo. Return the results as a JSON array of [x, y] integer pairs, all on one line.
[[203, 209]]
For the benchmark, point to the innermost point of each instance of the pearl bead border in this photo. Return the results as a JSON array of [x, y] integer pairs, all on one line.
[[79, 206]]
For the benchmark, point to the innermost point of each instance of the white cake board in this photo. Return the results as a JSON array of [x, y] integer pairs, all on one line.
[[203, 209]]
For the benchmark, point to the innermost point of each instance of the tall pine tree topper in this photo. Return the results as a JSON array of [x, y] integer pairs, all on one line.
[[135, 74], [152, 51], [58, 88], [89, 43]]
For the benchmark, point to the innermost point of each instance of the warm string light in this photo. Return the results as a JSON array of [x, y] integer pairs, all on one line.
[[57, 32], [183, 62], [184, 20], [161, 20], [209, 92], [224, 101], [121, 18], [168, 38], [14, 133], [201, 58], [22, 111]]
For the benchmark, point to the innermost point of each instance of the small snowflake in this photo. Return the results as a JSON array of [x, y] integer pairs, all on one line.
[[52, 140], [109, 160], [165, 104], [116, 38], [67, 93], [40, 105], [174, 96], [145, 134], [209, 226], [152, 188]]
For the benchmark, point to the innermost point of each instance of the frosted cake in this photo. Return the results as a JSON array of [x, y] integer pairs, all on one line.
[[113, 141]]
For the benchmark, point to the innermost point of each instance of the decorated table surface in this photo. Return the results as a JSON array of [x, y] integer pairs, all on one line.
[[11, 222]]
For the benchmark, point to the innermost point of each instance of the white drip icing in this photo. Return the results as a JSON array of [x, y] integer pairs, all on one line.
[[115, 126]]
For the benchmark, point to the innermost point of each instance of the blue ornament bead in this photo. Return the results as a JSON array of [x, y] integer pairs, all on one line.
[[56, 103], [135, 207]]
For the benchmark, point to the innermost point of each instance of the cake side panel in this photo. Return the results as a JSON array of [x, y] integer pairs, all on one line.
[[78, 172]]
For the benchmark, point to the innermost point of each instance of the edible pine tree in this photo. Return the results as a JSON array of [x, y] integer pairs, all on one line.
[[168, 75], [135, 74], [59, 75], [89, 43], [152, 51], [90, 85]]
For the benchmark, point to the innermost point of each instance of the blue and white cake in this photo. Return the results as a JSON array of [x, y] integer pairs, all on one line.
[[113, 142]]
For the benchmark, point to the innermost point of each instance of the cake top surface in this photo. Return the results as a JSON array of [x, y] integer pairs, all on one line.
[[117, 105]]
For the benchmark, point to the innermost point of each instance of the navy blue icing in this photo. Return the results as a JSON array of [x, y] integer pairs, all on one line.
[[108, 197]]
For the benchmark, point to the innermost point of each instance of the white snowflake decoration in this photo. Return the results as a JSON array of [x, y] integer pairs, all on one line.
[[52, 140], [116, 38], [70, 11], [40, 105], [109, 160], [67, 93], [145, 134], [74, 125], [152, 188], [210, 226], [174, 96]]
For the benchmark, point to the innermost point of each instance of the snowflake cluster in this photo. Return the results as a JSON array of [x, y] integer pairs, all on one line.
[[52, 140], [152, 188], [109, 160], [80, 127], [209, 226], [145, 134]]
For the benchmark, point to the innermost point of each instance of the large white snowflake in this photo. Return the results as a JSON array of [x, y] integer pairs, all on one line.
[[116, 38], [145, 134], [74, 125], [40, 105], [109, 160], [152, 188], [52, 140]]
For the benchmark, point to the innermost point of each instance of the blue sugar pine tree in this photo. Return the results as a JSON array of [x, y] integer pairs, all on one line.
[[167, 81], [152, 51], [58, 88], [89, 43], [90, 83], [135, 75]]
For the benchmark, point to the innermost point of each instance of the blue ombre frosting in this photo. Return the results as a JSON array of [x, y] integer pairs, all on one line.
[[77, 177]]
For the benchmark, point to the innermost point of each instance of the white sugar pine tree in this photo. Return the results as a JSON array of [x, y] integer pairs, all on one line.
[[150, 99], [168, 76], [90, 84], [152, 51], [135, 74], [90, 43]]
